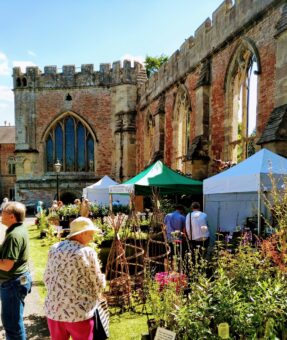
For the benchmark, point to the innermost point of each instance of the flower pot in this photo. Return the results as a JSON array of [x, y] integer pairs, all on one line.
[[53, 220], [151, 323]]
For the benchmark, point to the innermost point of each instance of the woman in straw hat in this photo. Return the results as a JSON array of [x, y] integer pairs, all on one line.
[[74, 284]]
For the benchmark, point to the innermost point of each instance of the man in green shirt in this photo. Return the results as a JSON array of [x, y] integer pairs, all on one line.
[[15, 279]]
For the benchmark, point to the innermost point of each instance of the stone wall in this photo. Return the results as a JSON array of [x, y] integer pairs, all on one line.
[[7, 182], [101, 100], [70, 77], [214, 44], [229, 22]]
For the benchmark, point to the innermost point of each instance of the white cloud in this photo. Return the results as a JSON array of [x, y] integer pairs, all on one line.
[[132, 58], [3, 106], [23, 64], [6, 94], [31, 53], [4, 67], [7, 113]]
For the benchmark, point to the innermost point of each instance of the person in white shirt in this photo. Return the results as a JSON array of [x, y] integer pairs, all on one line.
[[74, 284], [197, 227]]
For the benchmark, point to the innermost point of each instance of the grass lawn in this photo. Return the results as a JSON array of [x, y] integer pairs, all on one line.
[[126, 326]]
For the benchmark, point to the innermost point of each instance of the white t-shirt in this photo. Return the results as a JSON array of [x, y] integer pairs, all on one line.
[[3, 229], [198, 221]]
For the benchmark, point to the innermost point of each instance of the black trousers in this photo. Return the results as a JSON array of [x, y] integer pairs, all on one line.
[[199, 249], [99, 332]]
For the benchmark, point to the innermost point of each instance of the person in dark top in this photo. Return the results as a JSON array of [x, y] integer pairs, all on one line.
[[15, 279], [174, 222]]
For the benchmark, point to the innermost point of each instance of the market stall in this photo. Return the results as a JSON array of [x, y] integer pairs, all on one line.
[[99, 192], [232, 196], [160, 176]]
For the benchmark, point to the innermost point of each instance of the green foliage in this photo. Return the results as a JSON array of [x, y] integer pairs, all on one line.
[[277, 203], [106, 228], [47, 228], [163, 303], [243, 289], [98, 210], [50, 235], [124, 209], [69, 210], [166, 205], [42, 221], [52, 215], [194, 321], [152, 64]]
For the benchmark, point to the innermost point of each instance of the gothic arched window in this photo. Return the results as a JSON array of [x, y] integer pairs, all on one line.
[[70, 142], [181, 128], [241, 86], [149, 138]]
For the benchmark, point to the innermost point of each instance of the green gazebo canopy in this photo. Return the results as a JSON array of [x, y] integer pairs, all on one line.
[[160, 176]]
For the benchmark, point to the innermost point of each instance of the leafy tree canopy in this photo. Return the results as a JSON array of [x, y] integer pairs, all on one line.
[[152, 64]]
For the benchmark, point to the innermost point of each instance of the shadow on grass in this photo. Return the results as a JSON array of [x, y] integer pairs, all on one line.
[[36, 327]]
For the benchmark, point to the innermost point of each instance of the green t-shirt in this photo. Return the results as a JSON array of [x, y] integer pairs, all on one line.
[[15, 247]]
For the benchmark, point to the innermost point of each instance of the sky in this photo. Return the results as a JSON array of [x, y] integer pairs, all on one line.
[[76, 32]]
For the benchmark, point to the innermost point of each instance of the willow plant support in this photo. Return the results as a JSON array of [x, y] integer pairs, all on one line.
[[158, 249], [134, 248], [117, 269]]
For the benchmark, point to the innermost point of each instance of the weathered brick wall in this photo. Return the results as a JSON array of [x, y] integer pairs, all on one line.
[[169, 105], [216, 41], [93, 105], [7, 180], [263, 36], [98, 98]]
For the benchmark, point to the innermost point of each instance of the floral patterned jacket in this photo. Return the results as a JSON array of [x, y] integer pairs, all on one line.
[[74, 282]]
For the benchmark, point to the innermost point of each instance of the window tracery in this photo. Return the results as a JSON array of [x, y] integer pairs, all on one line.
[[181, 128], [242, 83], [70, 142], [11, 166]]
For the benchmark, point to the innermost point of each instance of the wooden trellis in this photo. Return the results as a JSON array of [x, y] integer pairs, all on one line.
[[117, 269], [134, 248], [157, 246]]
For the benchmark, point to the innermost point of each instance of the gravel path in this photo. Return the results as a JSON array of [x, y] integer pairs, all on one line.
[[35, 321]]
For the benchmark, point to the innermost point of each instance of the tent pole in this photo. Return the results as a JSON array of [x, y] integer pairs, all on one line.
[[259, 213], [131, 201], [111, 203]]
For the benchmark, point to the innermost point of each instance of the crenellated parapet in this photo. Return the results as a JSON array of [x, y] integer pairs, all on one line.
[[228, 21], [69, 76]]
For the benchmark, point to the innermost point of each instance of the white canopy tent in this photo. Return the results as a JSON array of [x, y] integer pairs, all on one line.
[[99, 192], [235, 194]]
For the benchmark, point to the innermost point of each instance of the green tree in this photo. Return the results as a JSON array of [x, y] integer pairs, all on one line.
[[152, 64]]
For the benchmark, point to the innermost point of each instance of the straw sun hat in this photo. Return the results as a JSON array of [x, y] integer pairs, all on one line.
[[80, 225]]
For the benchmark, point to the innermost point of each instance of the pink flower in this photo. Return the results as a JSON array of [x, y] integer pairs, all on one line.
[[165, 278]]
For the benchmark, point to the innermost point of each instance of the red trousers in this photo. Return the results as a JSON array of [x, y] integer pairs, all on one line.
[[81, 330]]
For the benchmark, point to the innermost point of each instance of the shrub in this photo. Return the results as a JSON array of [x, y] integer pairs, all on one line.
[[245, 289]]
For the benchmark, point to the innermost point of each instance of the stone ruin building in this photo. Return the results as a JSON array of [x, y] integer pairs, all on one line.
[[221, 95]]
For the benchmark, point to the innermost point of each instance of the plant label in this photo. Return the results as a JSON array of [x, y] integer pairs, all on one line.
[[164, 334]]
